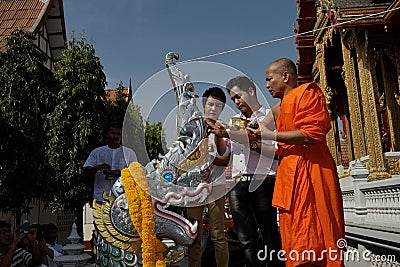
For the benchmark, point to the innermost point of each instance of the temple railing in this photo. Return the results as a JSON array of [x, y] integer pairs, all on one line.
[[348, 202], [372, 213], [383, 202]]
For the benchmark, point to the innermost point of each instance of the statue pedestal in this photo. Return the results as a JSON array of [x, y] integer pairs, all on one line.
[[74, 256]]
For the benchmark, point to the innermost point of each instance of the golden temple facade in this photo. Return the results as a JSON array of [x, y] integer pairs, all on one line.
[[352, 50]]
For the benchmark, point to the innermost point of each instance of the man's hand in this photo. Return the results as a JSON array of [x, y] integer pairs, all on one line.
[[217, 127], [112, 173], [262, 132], [103, 167], [91, 170], [18, 236]]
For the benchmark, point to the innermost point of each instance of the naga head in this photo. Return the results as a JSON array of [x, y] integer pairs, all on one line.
[[181, 176]]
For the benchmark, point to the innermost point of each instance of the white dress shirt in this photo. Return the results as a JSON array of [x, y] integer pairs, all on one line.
[[247, 161], [117, 158]]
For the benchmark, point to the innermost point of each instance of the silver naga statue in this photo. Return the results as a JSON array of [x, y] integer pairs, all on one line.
[[179, 178]]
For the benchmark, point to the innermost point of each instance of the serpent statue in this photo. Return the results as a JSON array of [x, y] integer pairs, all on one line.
[[178, 179]]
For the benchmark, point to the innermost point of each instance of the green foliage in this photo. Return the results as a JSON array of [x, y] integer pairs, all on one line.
[[155, 140], [133, 132], [76, 125], [50, 122], [26, 93]]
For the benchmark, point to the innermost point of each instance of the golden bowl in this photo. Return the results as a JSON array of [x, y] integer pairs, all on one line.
[[239, 123]]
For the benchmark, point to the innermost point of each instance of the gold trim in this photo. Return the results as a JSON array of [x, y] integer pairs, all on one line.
[[366, 66], [393, 166], [102, 220], [350, 79]]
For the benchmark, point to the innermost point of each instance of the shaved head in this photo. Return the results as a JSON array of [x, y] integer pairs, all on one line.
[[284, 64], [281, 77]]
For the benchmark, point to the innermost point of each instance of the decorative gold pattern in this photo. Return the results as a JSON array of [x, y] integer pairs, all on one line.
[[345, 174], [331, 140], [352, 86], [102, 219], [366, 66], [393, 166], [360, 57], [198, 157]]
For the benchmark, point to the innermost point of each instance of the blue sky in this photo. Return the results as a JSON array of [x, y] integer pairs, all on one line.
[[132, 37]]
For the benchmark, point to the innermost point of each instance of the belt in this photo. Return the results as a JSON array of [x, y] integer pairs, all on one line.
[[249, 177]]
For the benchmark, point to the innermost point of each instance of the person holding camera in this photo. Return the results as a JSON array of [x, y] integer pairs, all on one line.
[[106, 162], [11, 254], [35, 243]]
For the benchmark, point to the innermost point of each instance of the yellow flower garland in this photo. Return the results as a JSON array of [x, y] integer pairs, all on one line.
[[142, 214]]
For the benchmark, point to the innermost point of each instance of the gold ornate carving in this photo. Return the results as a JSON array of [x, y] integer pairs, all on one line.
[[352, 86], [331, 140], [102, 218], [393, 166], [366, 65], [345, 174]]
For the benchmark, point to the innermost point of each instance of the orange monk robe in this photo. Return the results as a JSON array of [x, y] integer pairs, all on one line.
[[307, 191]]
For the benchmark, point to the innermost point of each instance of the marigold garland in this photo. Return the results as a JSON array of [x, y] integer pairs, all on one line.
[[142, 214]]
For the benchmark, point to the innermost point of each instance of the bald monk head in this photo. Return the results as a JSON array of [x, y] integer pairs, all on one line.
[[281, 77]]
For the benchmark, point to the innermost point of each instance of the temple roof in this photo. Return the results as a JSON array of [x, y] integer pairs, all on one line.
[[360, 3]]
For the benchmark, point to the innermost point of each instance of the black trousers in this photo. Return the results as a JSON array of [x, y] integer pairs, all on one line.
[[256, 223]]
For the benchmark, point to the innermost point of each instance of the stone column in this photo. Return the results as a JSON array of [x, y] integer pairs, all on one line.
[[360, 176]]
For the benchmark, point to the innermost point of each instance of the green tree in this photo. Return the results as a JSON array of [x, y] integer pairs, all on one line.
[[25, 95], [133, 132], [76, 126], [155, 140]]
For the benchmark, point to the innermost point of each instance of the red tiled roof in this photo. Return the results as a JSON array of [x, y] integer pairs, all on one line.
[[111, 94], [19, 14]]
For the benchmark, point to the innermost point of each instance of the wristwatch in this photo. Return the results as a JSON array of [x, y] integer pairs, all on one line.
[[253, 145]]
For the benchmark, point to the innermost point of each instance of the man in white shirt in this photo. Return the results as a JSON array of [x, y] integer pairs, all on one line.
[[106, 162], [251, 199], [50, 234]]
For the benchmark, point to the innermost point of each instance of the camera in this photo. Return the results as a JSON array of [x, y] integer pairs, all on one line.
[[25, 227]]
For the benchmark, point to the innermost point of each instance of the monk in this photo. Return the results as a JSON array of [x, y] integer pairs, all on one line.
[[307, 192]]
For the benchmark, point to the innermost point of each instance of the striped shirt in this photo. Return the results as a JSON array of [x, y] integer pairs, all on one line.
[[21, 258]]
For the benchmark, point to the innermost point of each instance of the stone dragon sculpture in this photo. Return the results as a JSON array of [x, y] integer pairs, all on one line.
[[179, 178]]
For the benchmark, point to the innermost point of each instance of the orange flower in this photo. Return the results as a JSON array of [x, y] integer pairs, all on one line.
[[142, 214]]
